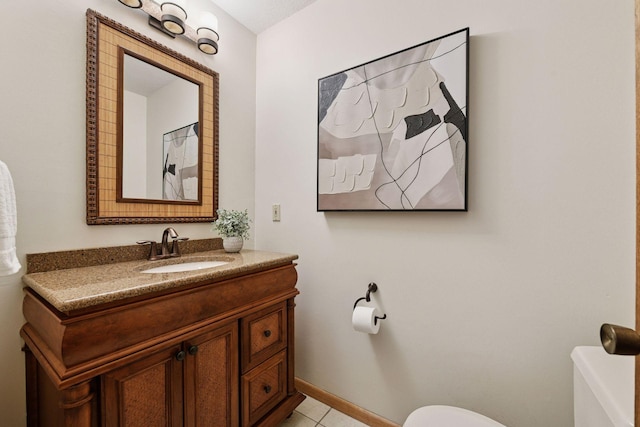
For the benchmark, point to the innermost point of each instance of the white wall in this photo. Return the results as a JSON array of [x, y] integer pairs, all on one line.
[[135, 172], [42, 82], [483, 307], [166, 117]]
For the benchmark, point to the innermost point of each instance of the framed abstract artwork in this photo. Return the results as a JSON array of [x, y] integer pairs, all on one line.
[[393, 132]]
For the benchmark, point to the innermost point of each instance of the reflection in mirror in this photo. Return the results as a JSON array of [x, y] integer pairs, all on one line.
[[180, 170], [160, 138]]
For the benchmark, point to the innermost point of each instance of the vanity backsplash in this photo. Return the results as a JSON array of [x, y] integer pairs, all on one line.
[[78, 258]]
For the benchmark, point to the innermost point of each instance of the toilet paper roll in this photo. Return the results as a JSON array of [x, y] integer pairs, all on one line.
[[364, 319]]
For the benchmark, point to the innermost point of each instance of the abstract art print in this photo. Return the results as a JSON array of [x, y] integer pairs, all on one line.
[[392, 133], [180, 164]]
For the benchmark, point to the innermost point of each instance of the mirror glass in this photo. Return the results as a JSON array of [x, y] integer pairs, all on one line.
[[152, 130], [160, 138]]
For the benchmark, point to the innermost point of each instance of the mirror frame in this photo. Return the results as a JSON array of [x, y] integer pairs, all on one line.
[[105, 37]]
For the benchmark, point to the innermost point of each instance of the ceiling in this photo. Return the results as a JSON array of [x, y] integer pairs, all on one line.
[[258, 15]]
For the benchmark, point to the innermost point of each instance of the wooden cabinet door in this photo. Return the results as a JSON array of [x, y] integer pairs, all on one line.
[[193, 384], [211, 378], [145, 393]]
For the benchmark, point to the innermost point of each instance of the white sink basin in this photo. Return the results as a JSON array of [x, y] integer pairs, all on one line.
[[185, 266]]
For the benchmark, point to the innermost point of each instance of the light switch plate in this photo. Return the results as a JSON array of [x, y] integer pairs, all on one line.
[[275, 212]]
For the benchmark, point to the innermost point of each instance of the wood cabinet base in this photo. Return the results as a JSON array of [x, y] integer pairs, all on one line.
[[282, 411], [220, 356]]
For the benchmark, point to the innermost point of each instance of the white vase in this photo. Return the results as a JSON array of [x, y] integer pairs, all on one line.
[[232, 243]]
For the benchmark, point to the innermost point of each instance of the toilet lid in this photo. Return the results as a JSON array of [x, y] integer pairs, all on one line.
[[447, 416]]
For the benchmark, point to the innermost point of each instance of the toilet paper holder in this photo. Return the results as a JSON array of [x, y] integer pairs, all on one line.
[[371, 288]]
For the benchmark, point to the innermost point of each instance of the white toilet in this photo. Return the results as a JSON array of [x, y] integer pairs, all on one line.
[[447, 416], [603, 396], [603, 388]]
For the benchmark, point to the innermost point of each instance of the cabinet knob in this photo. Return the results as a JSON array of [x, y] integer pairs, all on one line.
[[180, 356], [267, 333], [193, 350], [267, 389]]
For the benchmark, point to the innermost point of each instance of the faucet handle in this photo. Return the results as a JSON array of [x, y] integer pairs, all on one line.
[[175, 249], [153, 250]]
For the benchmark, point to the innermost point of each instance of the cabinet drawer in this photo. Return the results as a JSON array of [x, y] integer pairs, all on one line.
[[263, 388], [263, 334]]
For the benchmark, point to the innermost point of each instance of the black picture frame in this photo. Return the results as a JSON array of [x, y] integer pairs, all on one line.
[[393, 132]]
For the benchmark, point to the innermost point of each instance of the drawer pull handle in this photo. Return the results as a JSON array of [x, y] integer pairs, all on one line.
[[267, 389], [193, 350], [267, 333], [180, 356]]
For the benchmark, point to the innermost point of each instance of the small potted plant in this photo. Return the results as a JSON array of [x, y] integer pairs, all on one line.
[[233, 227]]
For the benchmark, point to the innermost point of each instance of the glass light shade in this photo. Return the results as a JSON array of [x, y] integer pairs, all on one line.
[[136, 4], [208, 33], [173, 16], [176, 8], [209, 22]]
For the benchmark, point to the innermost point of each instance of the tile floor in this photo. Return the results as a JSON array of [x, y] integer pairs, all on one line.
[[312, 413]]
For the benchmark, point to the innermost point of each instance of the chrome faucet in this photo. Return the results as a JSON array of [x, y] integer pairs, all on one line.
[[164, 252]]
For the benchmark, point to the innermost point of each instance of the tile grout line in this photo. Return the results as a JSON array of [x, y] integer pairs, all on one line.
[[324, 416], [317, 423], [317, 419]]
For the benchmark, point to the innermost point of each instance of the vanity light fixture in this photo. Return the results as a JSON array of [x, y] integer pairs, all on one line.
[[170, 17], [173, 16], [208, 33]]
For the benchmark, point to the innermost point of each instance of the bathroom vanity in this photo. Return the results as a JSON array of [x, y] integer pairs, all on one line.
[[110, 345]]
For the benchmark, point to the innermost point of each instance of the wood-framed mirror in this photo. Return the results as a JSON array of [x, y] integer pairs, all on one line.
[[152, 130]]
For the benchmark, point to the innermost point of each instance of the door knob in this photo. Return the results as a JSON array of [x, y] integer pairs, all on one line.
[[193, 350], [619, 340], [180, 356]]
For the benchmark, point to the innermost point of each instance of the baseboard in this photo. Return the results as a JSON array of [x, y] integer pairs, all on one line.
[[346, 407]]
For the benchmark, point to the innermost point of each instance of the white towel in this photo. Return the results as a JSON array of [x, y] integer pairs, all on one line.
[[9, 263]]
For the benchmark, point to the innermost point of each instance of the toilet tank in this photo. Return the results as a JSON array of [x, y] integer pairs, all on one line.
[[603, 388]]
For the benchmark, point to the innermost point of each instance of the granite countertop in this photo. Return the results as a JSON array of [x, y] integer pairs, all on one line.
[[79, 288]]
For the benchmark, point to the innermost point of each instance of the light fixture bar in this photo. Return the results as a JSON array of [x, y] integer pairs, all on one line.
[[155, 13], [153, 22]]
